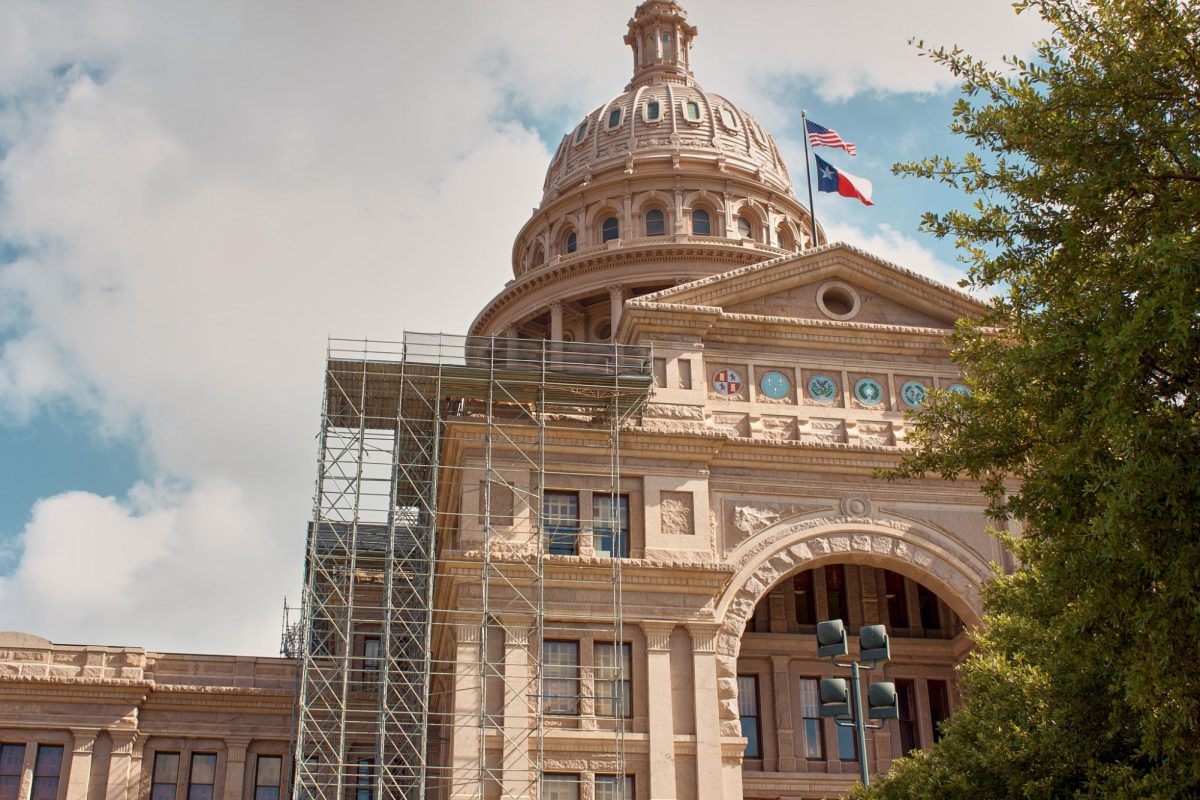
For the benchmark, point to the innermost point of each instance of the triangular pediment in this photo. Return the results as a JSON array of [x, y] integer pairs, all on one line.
[[834, 283]]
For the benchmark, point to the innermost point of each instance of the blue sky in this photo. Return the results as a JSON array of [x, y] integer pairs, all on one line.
[[193, 196]]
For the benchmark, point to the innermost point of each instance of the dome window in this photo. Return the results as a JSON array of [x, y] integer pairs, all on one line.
[[610, 229], [745, 229], [572, 242], [656, 222], [700, 223], [668, 51], [728, 119], [581, 132], [652, 111], [614, 118], [691, 111]]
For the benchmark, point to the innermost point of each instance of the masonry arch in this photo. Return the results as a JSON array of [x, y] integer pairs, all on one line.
[[918, 551]]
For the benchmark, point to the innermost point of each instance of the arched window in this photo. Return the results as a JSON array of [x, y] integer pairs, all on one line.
[[786, 239], [572, 243], [667, 52], [700, 223], [614, 118], [745, 229], [656, 222], [539, 257], [610, 229], [581, 132]]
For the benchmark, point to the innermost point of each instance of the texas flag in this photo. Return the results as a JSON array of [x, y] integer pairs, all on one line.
[[832, 179]]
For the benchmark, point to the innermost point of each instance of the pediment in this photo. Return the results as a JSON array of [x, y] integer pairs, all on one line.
[[837, 283]]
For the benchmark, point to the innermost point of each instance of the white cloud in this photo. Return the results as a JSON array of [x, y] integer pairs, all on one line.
[[204, 191]]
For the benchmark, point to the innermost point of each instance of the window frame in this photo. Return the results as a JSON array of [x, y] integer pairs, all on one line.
[[906, 694], [755, 743], [608, 122], [259, 785], [555, 534], [708, 216], [662, 219], [572, 778], [805, 719], [154, 782], [192, 784], [50, 778], [686, 103], [618, 539], [748, 233], [364, 768], [570, 697], [580, 134], [610, 233], [843, 594], [12, 778], [896, 599], [657, 118], [620, 698], [628, 790]]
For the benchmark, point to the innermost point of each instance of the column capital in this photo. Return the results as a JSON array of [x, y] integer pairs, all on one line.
[[557, 306], [83, 740], [658, 634], [468, 633], [123, 741], [704, 636], [516, 631], [616, 290], [236, 746]]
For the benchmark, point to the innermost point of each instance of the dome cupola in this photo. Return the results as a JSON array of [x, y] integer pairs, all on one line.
[[663, 184]]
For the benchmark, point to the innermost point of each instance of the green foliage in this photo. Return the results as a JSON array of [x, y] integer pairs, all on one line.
[[1083, 421]]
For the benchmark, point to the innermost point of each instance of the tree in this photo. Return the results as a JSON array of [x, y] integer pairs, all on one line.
[[1082, 424]]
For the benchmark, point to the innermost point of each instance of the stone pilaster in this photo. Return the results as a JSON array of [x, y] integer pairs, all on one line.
[[468, 712], [518, 774], [616, 299], [79, 775], [785, 730], [708, 722], [235, 768], [661, 713], [124, 765]]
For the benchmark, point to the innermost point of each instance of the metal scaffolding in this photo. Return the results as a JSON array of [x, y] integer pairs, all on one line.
[[446, 539]]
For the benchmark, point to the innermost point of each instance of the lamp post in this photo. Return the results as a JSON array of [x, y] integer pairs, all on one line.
[[836, 697]]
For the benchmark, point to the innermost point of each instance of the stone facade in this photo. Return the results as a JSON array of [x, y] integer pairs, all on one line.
[[785, 374]]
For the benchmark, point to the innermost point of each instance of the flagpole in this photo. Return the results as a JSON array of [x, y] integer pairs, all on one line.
[[812, 209]]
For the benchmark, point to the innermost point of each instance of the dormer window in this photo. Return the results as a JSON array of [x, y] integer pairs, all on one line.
[[581, 132], [656, 222], [614, 118], [652, 111], [728, 119], [610, 229], [691, 111], [745, 229]]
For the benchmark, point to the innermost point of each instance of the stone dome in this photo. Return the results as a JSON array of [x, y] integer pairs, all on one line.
[[664, 184]]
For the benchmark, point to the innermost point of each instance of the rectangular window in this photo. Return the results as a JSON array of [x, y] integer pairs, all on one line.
[[12, 763], [165, 777], [560, 678], [847, 741], [266, 777], [610, 525], [364, 779], [202, 776], [46, 770], [835, 593], [897, 599], [748, 713], [371, 664], [806, 608], [927, 601], [939, 706], [614, 787], [614, 680], [560, 786], [810, 715], [910, 739], [560, 517]]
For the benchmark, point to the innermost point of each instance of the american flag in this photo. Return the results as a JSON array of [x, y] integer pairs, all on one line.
[[819, 135]]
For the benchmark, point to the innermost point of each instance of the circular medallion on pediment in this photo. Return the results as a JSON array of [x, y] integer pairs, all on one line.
[[775, 385], [727, 382], [822, 388], [914, 393], [958, 388], [868, 391]]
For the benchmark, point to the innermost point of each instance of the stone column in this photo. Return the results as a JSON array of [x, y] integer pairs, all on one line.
[[661, 714], [785, 730], [709, 781], [556, 320], [79, 775], [123, 773], [616, 301], [235, 768], [468, 712], [517, 776]]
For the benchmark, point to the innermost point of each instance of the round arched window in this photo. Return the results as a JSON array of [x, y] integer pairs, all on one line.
[[604, 331], [610, 229], [786, 240], [745, 229], [656, 222], [700, 223], [572, 242]]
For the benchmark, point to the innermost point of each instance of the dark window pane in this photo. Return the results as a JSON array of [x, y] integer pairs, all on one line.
[[610, 526], [655, 223], [560, 515], [614, 118], [572, 242], [364, 779], [745, 229], [897, 599], [909, 736], [939, 706], [12, 763], [806, 608], [46, 769], [928, 603], [652, 110], [560, 678], [835, 593], [614, 787], [700, 223]]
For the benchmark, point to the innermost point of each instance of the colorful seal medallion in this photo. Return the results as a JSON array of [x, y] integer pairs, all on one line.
[[914, 393], [775, 385], [727, 382], [868, 391], [822, 388]]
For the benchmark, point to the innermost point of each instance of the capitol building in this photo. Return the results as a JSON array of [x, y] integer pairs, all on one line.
[[579, 551]]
